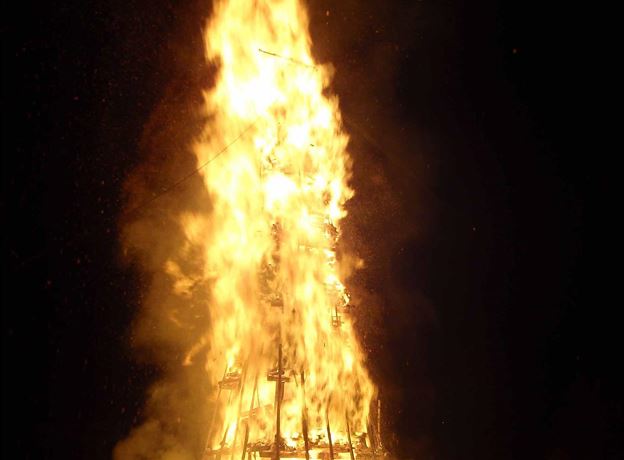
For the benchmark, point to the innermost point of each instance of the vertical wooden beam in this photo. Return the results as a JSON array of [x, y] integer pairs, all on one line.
[[278, 400], [241, 388], [329, 436], [214, 415], [220, 452], [379, 420], [304, 418], [349, 436], [246, 438]]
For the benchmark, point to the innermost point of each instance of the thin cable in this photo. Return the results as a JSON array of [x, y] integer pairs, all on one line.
[[291, 60], [192, 173]]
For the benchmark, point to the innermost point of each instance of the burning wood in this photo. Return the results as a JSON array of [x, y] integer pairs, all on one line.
[[283, 363], [278, 199]]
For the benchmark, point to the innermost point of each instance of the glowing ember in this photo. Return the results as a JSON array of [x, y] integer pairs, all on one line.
[[284, 361]]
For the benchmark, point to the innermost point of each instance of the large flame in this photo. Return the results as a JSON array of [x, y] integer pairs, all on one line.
[[281, 352]]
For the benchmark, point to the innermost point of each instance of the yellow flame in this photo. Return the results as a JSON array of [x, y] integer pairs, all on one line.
[[277, 196]]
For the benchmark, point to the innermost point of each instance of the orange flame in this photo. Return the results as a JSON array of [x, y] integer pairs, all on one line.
[[280, 329]]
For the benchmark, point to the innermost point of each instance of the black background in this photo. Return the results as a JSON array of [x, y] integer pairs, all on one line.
[[495, 260]]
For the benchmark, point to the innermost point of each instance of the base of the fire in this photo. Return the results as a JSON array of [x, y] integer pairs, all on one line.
[[319, 443], [319, 448], [325, 445]]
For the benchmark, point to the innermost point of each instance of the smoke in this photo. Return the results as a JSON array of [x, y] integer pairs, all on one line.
[[176, 413], [151, 440], [172, 317]]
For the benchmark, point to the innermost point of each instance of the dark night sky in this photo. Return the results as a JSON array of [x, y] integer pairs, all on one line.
[[491, 220]]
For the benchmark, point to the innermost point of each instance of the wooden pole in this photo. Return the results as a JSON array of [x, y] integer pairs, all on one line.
[[329, 437], [278, 400], [240, 403], [304, 418], [379, 420], [246, 439], [224, 431], [349, 436], [214, 415]]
